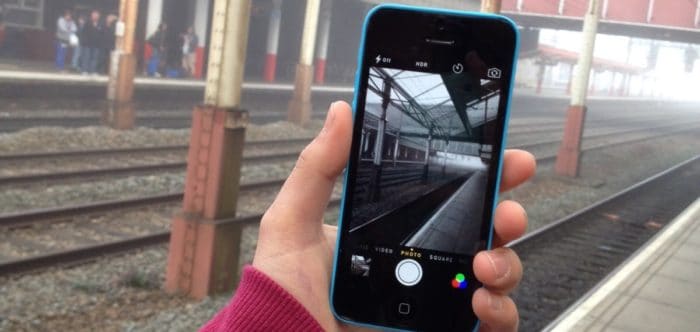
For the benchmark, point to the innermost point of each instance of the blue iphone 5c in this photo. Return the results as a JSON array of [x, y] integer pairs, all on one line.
[[431, 105]]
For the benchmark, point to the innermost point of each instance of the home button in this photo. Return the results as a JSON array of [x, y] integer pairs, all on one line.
[[404, 308]]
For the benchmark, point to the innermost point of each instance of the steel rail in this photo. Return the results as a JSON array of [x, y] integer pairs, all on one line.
[[28, 217], [89, 253], [568, 257], [25, 218], [149, 149], [175, 166]]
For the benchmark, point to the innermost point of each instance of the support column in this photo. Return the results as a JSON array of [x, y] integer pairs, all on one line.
[[571, 78], [492, 6], [426, 161], [203, 256], [120, 88], [201, 22], [628, 83], [540, 77], [396, 147], [611, 87], [322, 46], [273, 36], [375, 186], [154, 16], [299, 110], [568, 157], [621, 87]]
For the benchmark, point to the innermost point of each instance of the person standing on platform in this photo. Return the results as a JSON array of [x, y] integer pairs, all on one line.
[[108, 42], [189, 51], [77, 49], [65, 34], [159, 44], [92, 43]]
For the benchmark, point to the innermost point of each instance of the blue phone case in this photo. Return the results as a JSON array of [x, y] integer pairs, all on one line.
[[360, 64]]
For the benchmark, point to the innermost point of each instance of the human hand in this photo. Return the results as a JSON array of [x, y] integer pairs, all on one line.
[[296, 249]]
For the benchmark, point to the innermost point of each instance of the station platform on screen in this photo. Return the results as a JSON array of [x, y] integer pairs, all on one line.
[[657, 289]]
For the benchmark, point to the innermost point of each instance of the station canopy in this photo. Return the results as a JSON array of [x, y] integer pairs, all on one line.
[[422, 105]]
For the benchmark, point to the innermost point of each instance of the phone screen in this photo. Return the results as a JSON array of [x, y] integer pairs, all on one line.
[[430, 114]]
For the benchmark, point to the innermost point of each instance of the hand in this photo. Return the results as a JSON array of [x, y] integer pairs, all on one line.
[[296, 249]]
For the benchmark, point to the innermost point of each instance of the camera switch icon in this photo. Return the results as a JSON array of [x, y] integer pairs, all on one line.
[[493, 73]]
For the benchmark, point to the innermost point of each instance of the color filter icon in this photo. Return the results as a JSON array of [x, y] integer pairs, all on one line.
[[459, 281]]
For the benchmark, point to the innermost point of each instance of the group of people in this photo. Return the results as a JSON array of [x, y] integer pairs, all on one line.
[[91, 38], [172, 56]]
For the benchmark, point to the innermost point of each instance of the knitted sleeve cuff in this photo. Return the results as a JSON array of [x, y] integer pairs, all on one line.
[[260, 304]]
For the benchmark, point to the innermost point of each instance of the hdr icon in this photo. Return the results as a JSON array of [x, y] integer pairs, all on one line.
[[422, 64]]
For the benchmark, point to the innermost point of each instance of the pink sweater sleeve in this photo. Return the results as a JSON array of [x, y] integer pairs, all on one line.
[[260, 304]]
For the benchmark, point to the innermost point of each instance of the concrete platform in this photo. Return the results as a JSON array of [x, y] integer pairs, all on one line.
[[33, 74], [446, 230], [657, 289], [28, 77]]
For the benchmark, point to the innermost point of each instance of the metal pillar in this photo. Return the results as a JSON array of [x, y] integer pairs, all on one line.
[[119, 113], [568, 157], [201, 22], [322, 46], [571, 78], [154, 17], [273, 36], [426, 161], [204, 247], [611, 87], [491, 6], [299, 110], [628, 82], [396, 146], [540, 77], [376, 185]]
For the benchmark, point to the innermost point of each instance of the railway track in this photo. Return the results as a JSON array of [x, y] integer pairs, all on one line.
[[565, 259], [93, 252], [181, 165], [19, 157], [113, 171], [26, 218], [81, 254], [11, 124]]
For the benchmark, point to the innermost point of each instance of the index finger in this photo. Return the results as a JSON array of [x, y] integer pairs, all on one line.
[[518, 166]]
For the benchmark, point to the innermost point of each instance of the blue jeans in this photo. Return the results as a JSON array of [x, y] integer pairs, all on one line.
[[60, 55], [75, 62], [90, 56]]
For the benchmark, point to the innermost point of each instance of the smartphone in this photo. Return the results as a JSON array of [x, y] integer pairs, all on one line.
[[431, 108]]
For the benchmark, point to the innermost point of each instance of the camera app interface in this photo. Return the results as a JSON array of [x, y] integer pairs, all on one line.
[[421, 192]]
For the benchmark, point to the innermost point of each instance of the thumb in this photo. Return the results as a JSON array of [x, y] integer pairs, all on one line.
[[300, 204]]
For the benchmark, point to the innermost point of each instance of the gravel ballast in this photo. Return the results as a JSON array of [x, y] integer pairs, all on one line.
[[123, 293]]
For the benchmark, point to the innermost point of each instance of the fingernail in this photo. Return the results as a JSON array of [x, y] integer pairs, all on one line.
[[330, 117], [499, 264], [495, 302]]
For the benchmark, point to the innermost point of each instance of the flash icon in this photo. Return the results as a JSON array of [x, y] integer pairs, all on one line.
[[378, 58]]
